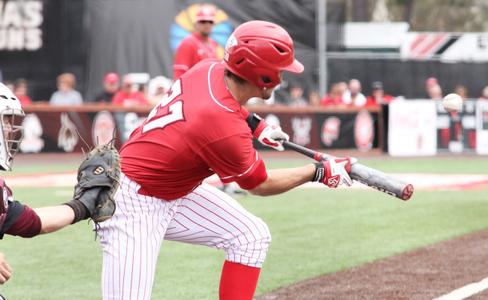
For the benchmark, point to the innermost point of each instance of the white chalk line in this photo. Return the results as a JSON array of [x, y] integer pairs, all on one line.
[[420, 181], [466, 291]]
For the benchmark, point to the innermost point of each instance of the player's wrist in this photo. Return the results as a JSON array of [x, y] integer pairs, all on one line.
[[256, 124], [319, 173]]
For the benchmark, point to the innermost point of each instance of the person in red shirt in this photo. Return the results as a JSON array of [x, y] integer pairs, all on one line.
[[378, 96], [198, 129], [16, 218], [127, 96], [334, 97], [20, 91], [198, 45]]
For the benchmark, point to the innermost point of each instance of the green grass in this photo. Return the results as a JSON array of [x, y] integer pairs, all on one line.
[[314, 232]]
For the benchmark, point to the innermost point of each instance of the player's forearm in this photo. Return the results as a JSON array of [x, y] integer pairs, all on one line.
[[55, 217], [282, 180]]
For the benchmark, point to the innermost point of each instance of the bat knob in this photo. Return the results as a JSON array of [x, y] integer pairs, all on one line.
[[407, 192]]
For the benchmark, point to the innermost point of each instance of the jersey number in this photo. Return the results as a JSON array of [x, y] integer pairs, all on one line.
[[175, 110]]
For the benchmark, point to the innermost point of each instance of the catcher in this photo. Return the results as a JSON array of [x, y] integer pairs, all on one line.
[[93, 196]]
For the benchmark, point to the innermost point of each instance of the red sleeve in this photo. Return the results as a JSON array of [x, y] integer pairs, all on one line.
[[234, 159], [184, 58], [118, 99], [27, 225]]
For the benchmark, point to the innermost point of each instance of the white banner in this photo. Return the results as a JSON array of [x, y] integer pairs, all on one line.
[[412, 128], [482, 127]]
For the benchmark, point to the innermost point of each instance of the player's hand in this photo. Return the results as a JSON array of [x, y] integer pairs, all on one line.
[[5, 270], [270, 135], [334, 171]]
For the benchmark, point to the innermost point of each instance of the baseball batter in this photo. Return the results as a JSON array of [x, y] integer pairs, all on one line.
[[200, 128], [16, 218]]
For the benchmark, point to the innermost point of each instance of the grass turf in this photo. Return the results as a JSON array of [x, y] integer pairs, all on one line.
[[314, 232]]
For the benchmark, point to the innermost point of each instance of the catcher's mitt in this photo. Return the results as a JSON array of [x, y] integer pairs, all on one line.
[[98, 180]]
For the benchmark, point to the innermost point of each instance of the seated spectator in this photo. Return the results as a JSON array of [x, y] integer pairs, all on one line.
[[127, 96], [334, 97], [66, 93], [462, 91], [378, 96], [433, 89], [353, 95], [20, 91], [484, 94], [158, 86], [296, 96], [314, 98], [111, 84]]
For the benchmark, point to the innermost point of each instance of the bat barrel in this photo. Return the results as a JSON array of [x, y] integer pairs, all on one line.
[[381, 182], [366, 175]]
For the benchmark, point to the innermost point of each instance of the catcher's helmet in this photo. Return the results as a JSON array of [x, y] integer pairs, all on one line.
[[258, 51], [11, 131]]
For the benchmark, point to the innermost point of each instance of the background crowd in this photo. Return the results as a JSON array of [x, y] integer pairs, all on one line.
[[138, 89]]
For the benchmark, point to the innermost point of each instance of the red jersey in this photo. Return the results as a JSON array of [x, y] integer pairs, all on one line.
[[197, 129], [192, 50], [128, 99], [24, 100]]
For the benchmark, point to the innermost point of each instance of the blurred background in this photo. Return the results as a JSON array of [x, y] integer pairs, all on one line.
[[363, 60]]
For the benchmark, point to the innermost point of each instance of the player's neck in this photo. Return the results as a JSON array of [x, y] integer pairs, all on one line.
[[242, 92]]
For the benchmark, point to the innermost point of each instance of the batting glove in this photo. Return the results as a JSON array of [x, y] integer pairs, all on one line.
[[334, 171], [270, 135]]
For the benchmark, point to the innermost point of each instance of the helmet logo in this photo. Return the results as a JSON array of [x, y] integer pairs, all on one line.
[[231, 42]]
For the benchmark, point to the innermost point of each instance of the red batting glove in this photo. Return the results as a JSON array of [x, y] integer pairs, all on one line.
[[334, 172], [270, 135]]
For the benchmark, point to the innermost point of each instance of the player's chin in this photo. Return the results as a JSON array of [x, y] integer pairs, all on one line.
[[266, 94]]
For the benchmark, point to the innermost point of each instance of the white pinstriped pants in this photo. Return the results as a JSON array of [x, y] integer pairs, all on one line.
[[132, 238]]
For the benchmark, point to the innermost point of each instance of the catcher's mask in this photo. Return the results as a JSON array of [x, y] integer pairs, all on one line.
[[11, 133]]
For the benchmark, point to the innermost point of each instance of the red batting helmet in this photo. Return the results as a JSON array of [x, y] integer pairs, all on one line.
[[258, 51]]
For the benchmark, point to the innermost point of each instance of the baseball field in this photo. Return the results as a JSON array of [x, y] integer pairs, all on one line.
[[352, 243]]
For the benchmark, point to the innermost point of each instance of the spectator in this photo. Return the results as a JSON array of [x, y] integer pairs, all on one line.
[[66, 93], [334, 97], [378, 96], [433, 89], [198, 45], [127, 96], [296, 96], [435, 92], [111, 84], [314, 98], [462, 91], [353, 95], [158, 86], [484, 94], [20, 91]]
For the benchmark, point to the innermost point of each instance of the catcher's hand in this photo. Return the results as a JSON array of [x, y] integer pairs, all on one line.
[[98, 180]]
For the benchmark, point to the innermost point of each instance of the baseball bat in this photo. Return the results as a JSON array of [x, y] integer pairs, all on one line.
[[366, 175]]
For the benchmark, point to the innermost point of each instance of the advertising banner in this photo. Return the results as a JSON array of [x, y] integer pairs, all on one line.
[[412, 128], [329, 130], [456, 131], [57, 130], [482, 127]]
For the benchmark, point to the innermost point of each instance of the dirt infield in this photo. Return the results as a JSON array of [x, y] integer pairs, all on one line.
[[426, 273]]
